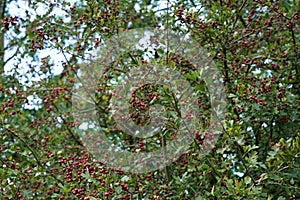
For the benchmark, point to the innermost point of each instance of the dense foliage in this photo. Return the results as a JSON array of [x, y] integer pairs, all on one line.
[[254, 44]]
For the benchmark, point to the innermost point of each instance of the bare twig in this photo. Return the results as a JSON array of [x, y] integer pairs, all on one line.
[[37, 159]]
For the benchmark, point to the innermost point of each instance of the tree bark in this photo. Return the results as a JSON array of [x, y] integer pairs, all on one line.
[[2, 14]]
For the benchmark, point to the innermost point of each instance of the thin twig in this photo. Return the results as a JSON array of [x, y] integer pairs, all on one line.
[[27, 145], [238, 13]]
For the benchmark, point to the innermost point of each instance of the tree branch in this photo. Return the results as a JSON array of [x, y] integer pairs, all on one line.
[[27, 145]]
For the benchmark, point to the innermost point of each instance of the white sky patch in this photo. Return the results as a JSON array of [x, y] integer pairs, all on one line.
[[20, 8], [239, 174], [59, 58], [264, 125], [85, 126], [256, 71], [145, 43], [267, 61], [264, 9], [231, 157], [137, 7], [34, 102], [60, 120], [249, 129]]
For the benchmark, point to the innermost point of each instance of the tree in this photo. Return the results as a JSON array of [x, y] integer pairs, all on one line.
[[253, 44]]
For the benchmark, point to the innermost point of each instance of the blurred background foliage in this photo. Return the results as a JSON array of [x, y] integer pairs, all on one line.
[[255, 45]]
